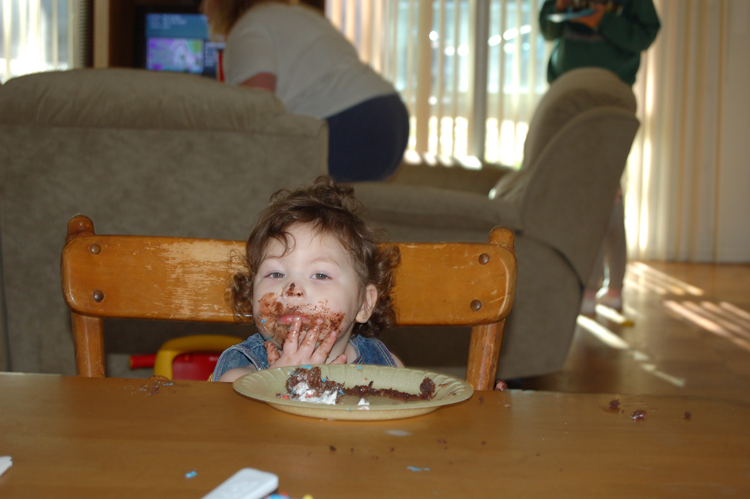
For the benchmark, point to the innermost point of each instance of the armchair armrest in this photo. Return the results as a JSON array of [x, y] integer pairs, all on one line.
[[454, 178], [432, 208]]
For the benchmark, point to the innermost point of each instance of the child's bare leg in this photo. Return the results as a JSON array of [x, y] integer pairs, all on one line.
[[616, 256]]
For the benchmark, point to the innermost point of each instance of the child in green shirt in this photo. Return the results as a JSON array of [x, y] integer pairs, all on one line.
[[612, 37]]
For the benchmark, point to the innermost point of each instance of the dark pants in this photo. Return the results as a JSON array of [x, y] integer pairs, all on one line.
[[367, 141]]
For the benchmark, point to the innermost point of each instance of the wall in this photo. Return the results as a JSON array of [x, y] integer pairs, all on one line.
[[733, 242]]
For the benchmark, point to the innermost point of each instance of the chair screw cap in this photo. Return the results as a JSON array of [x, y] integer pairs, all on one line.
[[484, 258], [98, 295], [95, 249], [476, 305]]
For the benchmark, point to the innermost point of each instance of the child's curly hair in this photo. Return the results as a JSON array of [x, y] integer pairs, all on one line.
[[331, 209]]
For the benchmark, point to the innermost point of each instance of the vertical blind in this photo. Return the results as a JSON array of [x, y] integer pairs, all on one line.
[[37, 35], [470, 71], [673, 181]]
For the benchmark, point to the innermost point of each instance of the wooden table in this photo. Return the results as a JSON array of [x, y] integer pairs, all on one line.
[[112, 438]]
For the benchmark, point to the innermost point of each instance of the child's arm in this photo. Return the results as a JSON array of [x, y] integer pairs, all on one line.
[[235, 373], [399, 362]]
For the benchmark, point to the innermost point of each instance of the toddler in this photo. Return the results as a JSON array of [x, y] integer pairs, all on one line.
[[315, 283]]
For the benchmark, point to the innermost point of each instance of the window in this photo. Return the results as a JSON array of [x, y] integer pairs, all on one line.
[[471, 72], [35, 36]]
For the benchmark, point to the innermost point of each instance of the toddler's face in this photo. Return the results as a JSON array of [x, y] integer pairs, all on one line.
[[315, 281]]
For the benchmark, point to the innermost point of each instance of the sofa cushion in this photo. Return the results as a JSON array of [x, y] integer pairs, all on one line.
[[432, 208]]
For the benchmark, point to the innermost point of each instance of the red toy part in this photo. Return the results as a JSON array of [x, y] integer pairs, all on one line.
[[194, 365], [142, 361], [187, 357]]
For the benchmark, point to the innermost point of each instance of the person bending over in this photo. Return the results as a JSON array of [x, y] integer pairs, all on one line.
[[295, 52]]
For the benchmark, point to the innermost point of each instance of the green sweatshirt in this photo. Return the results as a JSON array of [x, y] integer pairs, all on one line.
[[616, 44]]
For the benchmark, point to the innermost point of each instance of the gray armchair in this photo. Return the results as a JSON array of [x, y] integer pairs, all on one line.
[[558, 204]]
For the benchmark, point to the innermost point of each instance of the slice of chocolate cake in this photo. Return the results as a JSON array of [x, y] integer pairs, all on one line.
[[306, 384]]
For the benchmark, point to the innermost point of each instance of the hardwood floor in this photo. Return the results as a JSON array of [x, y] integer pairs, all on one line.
[[690, 335]]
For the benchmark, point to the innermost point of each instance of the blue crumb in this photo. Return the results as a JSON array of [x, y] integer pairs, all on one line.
[[191, 474]]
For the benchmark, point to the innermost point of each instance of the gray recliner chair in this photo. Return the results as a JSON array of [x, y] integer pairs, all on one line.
[[558, 204]]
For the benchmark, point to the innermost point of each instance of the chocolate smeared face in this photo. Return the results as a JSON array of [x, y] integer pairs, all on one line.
[[314, 280], [274, 318]]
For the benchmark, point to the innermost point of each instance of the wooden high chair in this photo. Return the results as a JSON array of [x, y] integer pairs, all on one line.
[[146, 277]]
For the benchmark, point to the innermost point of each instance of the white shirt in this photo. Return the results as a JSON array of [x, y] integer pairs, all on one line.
[[318, 72]]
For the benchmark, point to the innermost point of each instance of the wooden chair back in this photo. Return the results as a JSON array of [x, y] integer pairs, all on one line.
[[182, 279]]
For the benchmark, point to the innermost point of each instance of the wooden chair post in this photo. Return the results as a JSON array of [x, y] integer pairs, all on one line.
[[484, 349], [482, 367], [88, 332]]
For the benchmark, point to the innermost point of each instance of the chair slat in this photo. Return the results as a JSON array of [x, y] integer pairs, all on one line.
[[186, 279], [436, 284], [148, 277]]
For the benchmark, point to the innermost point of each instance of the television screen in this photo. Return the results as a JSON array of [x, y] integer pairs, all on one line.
[[176, 41]]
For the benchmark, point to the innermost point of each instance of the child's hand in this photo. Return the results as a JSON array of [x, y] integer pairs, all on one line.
[[295, 352]]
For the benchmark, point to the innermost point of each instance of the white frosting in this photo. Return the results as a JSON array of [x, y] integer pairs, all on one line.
[[304, 393]]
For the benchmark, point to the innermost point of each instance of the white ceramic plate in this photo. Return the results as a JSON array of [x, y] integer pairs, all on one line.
[[269, 384]]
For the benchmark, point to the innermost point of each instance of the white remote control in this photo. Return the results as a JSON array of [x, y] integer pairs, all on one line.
[[247, 483]]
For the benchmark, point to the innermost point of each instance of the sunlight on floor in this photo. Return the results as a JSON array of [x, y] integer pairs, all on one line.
[[602, 333], [691, 336], [613, 341], [722, 319], [613, 315], [726, 323], [647, 278]]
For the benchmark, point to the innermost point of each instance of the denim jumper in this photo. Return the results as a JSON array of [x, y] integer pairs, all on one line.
[[252, 351]]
